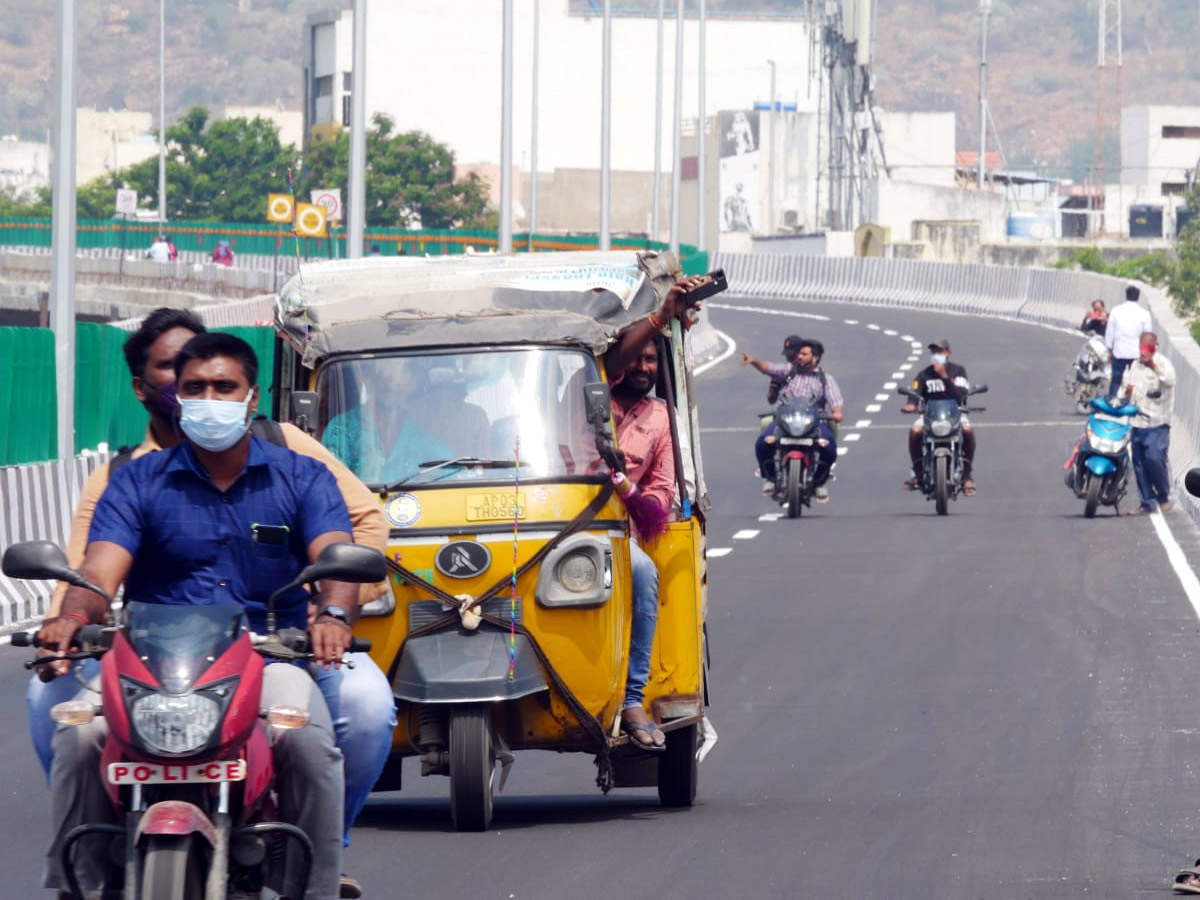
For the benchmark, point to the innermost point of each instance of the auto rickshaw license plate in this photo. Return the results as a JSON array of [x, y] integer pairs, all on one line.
[[493, 507]]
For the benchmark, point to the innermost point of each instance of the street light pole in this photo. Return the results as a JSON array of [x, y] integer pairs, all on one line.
[[62, 229], [701, 225], [533, 139], [504, 242], [606, 130], [676, 178], [356, 211], [771, 157], [162, 112], [655, 230]]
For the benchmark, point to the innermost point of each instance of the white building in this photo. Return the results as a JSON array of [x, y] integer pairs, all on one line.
[[1160, 153]]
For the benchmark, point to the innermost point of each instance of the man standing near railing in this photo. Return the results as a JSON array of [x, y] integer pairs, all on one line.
[[1126, 323], [1150, 384]]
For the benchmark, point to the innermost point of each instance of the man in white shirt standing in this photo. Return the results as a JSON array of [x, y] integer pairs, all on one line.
[[1126, 323], [1150, 383], [159, 250]]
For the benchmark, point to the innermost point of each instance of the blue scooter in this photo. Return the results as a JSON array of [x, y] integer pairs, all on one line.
[[1099, 469]]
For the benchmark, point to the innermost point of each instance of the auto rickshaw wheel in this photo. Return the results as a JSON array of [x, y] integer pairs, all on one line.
[[471, 766], [678, 769]]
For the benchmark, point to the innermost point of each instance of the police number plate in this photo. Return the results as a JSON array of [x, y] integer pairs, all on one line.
[[184, 773], [493, 507]]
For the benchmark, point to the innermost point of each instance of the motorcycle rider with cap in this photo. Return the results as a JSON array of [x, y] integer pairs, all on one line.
[[802, 378], [940, 380]]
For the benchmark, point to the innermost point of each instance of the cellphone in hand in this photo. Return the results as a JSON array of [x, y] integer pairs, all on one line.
[[714, 282]]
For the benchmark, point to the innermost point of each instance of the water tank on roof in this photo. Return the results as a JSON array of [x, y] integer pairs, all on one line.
[[1183, 215], [1145, 221]]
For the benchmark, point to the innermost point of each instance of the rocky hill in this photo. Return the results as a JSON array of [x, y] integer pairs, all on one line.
[[1043, 78]]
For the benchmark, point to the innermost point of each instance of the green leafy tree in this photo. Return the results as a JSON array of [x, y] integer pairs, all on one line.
[[218, 172], [1184, 286], [410, 179]]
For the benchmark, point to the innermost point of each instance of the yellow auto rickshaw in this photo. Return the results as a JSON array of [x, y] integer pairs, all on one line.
[[470, 394]]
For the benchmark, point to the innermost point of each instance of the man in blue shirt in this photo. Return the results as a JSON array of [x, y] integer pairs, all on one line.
[[178, 526]]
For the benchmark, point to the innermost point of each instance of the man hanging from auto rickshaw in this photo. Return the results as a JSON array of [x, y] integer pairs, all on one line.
[[647, 488]]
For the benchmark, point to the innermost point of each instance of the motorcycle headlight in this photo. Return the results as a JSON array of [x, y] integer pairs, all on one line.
[[941, 427], [176, 724], [796, 423], [1105, 446]]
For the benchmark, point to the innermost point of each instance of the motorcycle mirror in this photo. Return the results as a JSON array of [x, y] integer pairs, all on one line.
[[43, 561], [346, 562], [1191, 481], [597, 402]]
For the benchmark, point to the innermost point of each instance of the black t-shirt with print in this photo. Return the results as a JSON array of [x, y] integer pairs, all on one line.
[[931, 386]]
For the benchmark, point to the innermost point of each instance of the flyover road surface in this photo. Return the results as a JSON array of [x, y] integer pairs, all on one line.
[[1001, 703]]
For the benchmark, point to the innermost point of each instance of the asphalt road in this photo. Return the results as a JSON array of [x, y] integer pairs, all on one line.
[[994, 704]]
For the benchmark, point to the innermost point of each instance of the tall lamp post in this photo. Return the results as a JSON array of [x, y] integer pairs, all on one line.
[[357, 172], [162, 112], [62, 230]]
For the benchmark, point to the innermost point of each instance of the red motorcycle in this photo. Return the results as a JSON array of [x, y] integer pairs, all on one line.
[[187, 761]]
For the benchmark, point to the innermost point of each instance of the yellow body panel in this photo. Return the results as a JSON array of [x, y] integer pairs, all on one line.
[[587, 647]]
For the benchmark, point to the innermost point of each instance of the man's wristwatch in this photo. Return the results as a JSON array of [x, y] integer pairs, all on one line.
[[335, 612]]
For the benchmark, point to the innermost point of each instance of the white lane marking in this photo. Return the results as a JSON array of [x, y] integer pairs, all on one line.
[[1175, 554], [904, 368], [714, 552], [843, 450], [873, 327], [890, 332], [852, 437], [891, 385], [883, 397], [872, 407], [912, 359], [909, 338], [899, 374], [863, 423], [732, 348], [852, 321], [745, 534], [771, 517]]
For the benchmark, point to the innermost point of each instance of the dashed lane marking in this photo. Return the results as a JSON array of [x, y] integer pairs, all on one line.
[[745, 534], [770, 517], [872, 407], [714, 552], [863, 423], [883, 398], [852, 437]]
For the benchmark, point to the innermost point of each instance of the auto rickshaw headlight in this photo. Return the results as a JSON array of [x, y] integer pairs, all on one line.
[[578, 572]]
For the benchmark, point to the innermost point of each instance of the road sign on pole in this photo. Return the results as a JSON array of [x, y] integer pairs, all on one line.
[[331, 199], [126, 201]]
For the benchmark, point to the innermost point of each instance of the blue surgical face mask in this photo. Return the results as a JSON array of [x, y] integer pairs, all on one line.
[[214, 424], [939, 359]]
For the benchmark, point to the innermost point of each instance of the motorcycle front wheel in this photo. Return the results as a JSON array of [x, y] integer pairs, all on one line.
[[795, 489], [1095, 484], [173, 868], [1083, 404], [941, 484]]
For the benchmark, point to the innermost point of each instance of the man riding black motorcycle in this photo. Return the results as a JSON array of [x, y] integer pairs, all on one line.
[[802, 379], [941, 380]]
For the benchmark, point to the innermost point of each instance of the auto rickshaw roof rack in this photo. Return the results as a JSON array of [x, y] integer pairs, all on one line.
[[381, 303]]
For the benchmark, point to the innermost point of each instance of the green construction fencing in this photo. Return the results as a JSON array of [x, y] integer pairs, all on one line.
[[106, 410], [267, 240]]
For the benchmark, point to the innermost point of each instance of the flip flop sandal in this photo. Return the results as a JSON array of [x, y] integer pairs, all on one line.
[[650, 729], [1188, 880]]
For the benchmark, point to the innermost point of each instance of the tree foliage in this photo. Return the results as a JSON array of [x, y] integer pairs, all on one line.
[[410, 179]]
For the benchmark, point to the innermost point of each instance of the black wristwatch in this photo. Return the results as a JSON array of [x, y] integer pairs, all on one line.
[[335, 612]]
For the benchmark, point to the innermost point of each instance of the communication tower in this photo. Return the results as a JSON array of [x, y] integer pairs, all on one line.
[[1109, 50]]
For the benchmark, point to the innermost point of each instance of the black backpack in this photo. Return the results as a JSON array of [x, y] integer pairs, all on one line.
[[260, 426]]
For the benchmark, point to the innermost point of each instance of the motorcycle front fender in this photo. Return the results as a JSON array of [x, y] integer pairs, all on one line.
[[178, 818], [1100, 465], [466, 667]]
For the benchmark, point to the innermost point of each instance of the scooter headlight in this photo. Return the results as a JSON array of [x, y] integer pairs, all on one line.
[[176, 724], [1106, 446], [941, 427]]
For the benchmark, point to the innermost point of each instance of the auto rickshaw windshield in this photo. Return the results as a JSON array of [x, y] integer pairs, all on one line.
[[403, 418]]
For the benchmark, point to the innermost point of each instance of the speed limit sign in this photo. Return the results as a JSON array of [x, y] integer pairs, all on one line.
[[331, 200], [126, 201]]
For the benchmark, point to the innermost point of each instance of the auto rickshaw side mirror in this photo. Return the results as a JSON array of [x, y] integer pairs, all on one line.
[[303, 412], [597, 402], [1191, 481]]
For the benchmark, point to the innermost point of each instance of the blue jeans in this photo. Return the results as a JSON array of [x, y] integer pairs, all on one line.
[[1149, 447], [645, 619], [826, 456], [360, 703], [1118, 371]]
